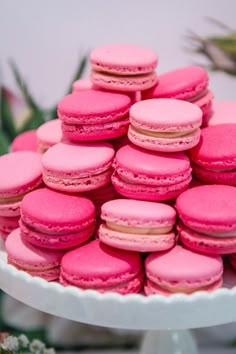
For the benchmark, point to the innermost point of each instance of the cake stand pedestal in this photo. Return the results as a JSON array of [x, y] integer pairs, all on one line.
[[167, 319]]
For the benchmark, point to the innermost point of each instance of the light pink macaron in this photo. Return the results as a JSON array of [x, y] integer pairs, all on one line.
[[189, 83], [123, 67], [94, 115], [182, 271], [55, 220], [223, 112], [78, 167], [36, 261], [21, 172], [137, 225], [214, 157], [209, 227], [105, 269], [82, 85], [49, 134], [150, 176], [165, 125]]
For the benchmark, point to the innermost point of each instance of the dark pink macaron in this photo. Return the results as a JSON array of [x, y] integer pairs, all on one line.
[[51, 219]]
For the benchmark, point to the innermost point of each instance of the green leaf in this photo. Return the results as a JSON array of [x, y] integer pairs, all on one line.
[[78, 74], [4, 143], [35, 120], [23, 87], [7, 120]]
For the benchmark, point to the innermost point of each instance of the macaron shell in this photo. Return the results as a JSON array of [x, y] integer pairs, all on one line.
[[143, 166], [26, 141], [214, 177], [136, 242], [165, 115], [56, 241], [20, 172], [81, 85], [223, 112], [95, 132], [182, 83], [49, 134], [106, 107], [123, 59], [148, 192], [205, 153], [95, 265], [214, 208], [47, 211], [164, 144], [8, 224], [169, 268], [135, 213], [151, 288], [206, 244], [10, 209]]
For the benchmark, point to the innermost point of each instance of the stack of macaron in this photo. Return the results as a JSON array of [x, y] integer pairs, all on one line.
[[117, 211]]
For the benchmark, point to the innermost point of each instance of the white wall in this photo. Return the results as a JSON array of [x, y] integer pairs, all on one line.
[[45, 37]]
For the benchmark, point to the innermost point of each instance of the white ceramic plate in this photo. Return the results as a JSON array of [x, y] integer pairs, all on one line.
[[136, 311]]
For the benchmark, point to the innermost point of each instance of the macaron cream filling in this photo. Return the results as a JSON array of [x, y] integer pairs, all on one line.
[[160, 134], [139, 230]]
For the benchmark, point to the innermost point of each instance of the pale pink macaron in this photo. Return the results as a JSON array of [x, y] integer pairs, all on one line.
[[21, 172], [150, 176], [49, 134], [209, 227], [188, 83], [182, 271], [78, 167], [94, 115], [137, 225], [214, 157], [82, 85], [105, 269], [36, 261], [223, 112], [123, 67], [165, 125], [26, 141], [55, 220]]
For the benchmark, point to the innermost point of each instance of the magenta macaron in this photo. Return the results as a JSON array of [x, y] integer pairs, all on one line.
[[165, 125], [137, 225], [182, 271], [94, 115], [214, 157], [51, 219], [210, 226], [105, 269], [123, 67], [150, 176], [78, 167], [33, 260]]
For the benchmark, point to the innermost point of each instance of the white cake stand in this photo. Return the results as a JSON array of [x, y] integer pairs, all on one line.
[[166, 318]]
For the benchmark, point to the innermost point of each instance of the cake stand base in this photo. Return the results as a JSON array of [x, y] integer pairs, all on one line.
[[169, 342]]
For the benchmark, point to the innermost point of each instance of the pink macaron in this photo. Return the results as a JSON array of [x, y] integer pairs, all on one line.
[[26, 141], [214, 158], [36, 261], [209, 227], [137, 225], [123, 67], [50, 219], [182, 271], [21, 172], [223, 112], [49, 134], [78, 167], [100, 267], [150, 176], [188, 83], [165, 125], [82, 85], [8, 224], [94, 115]]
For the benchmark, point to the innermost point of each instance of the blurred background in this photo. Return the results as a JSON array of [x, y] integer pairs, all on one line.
[[43, 49]]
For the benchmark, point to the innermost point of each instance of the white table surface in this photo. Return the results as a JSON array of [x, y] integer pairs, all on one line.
[[217, 350]]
